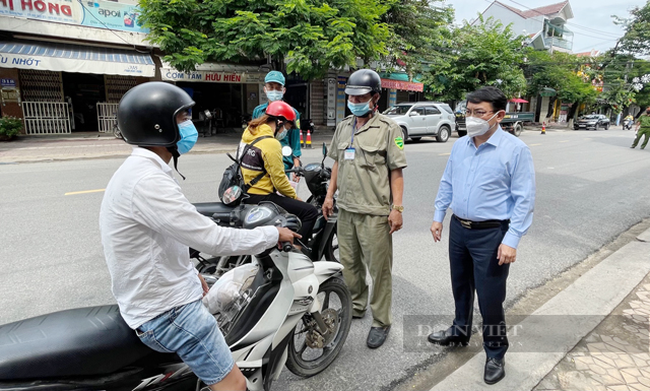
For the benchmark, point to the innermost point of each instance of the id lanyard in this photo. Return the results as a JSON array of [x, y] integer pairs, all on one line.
[[350, 151]]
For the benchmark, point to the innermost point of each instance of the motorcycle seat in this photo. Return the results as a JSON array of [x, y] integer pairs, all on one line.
[[209, 209], [78, 342]]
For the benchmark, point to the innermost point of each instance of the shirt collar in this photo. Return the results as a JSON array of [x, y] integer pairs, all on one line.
[[371, 123], [494, 140], [143, 152]]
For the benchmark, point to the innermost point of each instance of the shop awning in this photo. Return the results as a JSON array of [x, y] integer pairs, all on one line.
[[75, 58]]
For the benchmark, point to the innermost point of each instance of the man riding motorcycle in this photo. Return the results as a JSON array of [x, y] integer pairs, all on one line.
[[147, 225]]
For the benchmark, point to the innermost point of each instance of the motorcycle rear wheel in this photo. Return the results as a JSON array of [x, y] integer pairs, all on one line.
[[306, 361]]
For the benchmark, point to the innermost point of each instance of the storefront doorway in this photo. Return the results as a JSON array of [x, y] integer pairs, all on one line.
[[82, 92]]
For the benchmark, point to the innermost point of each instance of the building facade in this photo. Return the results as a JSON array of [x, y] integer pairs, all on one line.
[[65, 64]]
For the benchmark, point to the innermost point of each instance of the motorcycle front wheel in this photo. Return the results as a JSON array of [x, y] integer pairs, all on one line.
[[310, 350]]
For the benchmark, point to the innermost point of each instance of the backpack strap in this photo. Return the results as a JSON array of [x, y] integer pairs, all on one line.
[[258, 177]]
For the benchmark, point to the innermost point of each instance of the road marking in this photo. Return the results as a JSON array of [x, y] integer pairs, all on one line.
[[534, 145], [565, 141], [444, 154], [85, 192]]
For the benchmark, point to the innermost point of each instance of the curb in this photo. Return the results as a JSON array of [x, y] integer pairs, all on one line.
[[594, 295]]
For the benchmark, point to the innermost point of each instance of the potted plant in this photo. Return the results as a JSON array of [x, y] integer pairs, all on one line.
[[10, 127]]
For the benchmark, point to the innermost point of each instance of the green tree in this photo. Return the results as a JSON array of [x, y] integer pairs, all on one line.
[[636, 39], [570, 76], [417, 29], [487, 53], [310, 35]]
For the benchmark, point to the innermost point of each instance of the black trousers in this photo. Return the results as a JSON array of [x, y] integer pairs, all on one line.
[[307, 213], [475, 268]]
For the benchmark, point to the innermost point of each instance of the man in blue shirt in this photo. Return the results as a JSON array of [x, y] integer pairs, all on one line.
[[489, 182], [274, 89]]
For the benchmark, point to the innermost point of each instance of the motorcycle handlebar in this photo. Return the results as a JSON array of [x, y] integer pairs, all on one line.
[[286, 247]]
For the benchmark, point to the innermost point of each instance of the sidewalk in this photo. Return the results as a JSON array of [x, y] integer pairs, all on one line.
[[593, 335], [93, 145]]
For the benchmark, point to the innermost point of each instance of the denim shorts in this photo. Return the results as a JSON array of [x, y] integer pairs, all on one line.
[[192, 333]]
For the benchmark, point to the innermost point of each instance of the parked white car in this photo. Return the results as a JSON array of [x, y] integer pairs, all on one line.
[[418, 119]]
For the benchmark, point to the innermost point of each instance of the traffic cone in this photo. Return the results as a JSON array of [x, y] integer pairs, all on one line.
[[308, 142], [302, 142], [543, 127]]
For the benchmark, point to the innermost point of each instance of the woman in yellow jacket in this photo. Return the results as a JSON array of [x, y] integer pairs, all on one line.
[[265, 157]]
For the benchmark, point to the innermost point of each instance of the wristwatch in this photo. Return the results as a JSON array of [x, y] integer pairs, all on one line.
[[398, 208]]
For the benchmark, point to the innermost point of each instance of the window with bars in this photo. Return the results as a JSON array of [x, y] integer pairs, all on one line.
[[41, 86], [117, 86]]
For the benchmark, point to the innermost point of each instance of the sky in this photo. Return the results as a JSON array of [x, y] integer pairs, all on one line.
[[592, 22]]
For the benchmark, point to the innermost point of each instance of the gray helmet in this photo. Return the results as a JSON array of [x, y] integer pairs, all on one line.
[[146, 115], [362, 82]]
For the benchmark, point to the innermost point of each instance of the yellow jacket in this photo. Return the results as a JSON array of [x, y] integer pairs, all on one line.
[[264, 156]]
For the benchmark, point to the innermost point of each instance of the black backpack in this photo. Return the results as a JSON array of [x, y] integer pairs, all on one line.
[[233, 176]]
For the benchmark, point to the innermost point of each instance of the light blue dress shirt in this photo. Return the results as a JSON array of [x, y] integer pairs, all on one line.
[[495, 181]]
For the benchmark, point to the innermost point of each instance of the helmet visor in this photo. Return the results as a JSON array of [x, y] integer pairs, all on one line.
[[357, 90]]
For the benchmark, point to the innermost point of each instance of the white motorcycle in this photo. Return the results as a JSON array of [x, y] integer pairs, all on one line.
[[292, 311]]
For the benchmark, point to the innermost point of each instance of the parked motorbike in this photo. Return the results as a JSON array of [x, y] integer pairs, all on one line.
[[307, 124], [295, 312], [322, 245]]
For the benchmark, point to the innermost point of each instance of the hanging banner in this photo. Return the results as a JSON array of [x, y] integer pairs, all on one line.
[[171, 74], [97, 13]]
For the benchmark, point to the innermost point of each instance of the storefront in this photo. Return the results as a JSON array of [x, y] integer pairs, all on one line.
[[229, 92], [393, 92], [62, 70]]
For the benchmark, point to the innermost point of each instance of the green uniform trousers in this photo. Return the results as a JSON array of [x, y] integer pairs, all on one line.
[[365, 244], [641, 132]]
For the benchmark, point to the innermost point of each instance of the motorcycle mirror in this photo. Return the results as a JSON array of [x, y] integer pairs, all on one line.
[[232, 195], [287, 151], [324, 154]]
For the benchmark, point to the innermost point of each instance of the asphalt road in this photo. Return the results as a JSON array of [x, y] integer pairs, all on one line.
[[591, 187]]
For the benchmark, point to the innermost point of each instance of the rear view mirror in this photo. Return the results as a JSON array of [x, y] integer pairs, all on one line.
[[414, 114], [287, 151], [324, 149]]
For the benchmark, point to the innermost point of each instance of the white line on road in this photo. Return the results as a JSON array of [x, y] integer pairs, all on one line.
[[85, 192]]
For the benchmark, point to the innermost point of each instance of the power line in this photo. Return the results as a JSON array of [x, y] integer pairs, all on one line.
[[573, 24]]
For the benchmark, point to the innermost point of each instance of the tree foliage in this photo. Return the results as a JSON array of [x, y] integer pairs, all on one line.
[[570, 76], [417, 29], [636, 39], [487, 53], [310, 35]]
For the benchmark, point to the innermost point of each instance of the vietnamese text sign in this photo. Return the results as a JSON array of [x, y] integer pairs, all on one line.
[[171, 74], [402, 85], [97, 13]]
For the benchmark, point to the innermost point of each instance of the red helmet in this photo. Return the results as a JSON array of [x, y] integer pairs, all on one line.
[[281, 109]]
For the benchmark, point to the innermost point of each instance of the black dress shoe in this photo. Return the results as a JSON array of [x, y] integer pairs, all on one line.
[[446, 338], [494, 370], [377, 336]]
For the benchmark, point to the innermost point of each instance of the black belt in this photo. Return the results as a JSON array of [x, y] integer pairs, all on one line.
[[469, 224]]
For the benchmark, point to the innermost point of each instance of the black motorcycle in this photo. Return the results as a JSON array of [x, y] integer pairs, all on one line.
[[322, 245]]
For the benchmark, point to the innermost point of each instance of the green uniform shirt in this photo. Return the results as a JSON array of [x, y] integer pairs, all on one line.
[[644, 120], [364, 182]]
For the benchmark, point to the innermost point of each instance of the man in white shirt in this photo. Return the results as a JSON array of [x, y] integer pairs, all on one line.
[[147, 225]]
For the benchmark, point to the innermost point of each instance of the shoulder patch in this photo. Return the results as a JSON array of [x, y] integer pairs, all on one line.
[[399, 141]]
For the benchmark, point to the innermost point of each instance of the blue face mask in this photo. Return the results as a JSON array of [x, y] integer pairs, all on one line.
[[189, 136], [359, 109], [274, 95]]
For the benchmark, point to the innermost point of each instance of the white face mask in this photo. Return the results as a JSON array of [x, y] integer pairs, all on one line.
[[477, 126]]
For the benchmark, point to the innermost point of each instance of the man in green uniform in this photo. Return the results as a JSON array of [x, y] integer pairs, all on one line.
[[368, 150], [274, 90], [642, 128]]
